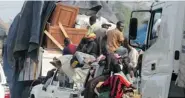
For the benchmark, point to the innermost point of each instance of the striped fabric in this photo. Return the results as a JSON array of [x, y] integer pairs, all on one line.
[[116, 83]]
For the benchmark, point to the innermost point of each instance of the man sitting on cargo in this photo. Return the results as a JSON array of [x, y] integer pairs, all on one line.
[[93, 27], [115, 38], [69, 48], [91, 46]]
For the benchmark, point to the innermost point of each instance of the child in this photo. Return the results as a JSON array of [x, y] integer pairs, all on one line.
[[116, 83]]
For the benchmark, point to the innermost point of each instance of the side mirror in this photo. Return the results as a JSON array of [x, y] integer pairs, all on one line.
[[133, 28]]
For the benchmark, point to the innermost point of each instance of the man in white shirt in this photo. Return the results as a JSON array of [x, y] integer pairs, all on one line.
[[93, 26], [133, 56]]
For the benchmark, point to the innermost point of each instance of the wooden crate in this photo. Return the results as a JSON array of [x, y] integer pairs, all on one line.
[[65, 15], [56, 33], [74, 34]]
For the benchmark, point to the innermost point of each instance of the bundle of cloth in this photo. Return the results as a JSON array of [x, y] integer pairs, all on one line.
[[79, 73], [82, 21], [76, 73], [77, 66], [118, 67]]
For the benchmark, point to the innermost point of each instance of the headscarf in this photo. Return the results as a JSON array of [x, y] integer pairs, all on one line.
[[91, 35]]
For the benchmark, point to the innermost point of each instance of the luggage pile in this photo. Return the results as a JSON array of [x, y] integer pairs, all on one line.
[[88, 71], [91, 72]]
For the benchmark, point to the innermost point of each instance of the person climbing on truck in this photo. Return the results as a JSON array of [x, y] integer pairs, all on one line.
[[133, 56]]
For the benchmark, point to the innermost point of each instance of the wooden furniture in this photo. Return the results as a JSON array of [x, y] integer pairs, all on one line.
[[74, 34], [65, 15], [53, 40], [64, 31]]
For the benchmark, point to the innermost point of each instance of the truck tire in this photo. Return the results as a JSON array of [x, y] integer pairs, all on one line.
[[32, 96]]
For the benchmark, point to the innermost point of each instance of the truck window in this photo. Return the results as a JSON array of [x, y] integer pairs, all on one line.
[[143, 22], [155, 27]]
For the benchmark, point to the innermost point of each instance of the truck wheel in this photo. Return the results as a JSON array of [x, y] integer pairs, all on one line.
[[32, 96]]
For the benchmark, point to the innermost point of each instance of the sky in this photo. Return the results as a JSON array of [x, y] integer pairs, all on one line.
[[9, 9]]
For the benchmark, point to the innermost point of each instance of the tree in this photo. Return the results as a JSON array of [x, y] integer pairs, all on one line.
[[122, 13]]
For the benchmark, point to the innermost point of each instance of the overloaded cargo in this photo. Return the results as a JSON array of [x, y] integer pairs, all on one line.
[[75, 24], [41, 25]]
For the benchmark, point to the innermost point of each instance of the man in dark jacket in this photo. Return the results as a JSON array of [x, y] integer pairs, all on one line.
[[88, 46], [91, 46]]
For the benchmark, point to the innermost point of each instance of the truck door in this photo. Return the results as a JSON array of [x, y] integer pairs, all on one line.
[[156, 67]]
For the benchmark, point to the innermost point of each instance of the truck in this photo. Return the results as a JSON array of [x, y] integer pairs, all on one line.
[[163, 64], [162, 68]]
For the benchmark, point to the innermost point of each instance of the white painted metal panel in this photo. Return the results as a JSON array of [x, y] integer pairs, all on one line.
[[181, 64]]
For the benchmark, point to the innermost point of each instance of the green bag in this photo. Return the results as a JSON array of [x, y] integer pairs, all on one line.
[[104, 94]]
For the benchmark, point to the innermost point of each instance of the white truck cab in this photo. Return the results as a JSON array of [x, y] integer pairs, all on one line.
[[163, 60]]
